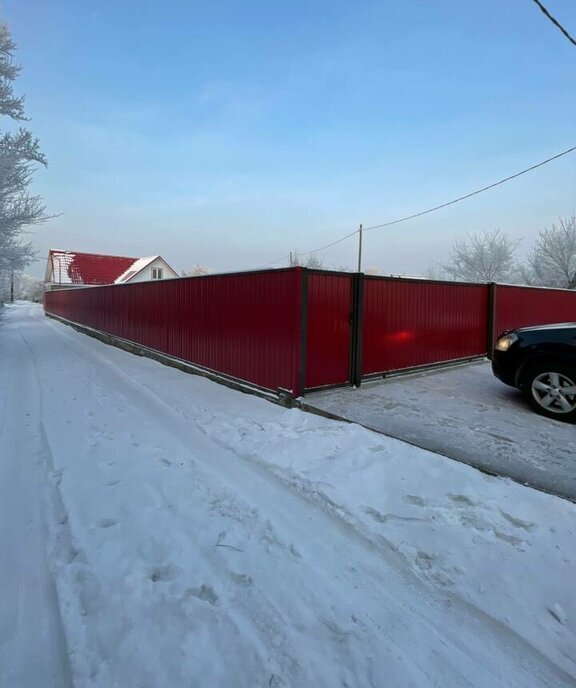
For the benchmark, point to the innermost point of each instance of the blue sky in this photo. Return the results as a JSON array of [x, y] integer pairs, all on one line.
[[230, 133]]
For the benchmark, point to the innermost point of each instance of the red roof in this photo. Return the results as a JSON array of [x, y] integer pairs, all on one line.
[[73, 267]]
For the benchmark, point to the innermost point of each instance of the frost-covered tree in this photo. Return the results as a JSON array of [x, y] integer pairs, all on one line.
[[24, 288], [311, 261], [14, 257], [485, 257], [196, 270], [19, 157], [29, 288], [551, 261], [10, 105], [437, 272]]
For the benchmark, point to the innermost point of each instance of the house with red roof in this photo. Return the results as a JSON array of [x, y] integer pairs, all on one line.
[[67, 269]]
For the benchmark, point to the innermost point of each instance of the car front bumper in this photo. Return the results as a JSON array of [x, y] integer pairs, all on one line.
[[504, 368]]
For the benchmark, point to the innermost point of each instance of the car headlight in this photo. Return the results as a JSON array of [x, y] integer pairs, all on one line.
[[505, 342]]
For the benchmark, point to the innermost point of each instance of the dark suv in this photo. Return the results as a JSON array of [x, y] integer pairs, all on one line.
[[541, 362]]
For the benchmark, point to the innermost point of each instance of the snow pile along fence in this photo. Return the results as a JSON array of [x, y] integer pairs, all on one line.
[[296, 329]]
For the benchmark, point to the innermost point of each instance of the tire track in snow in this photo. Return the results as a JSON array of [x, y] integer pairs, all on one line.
[[33, 650]]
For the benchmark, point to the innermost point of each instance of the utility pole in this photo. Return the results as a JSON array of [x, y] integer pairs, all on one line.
[[360, 249]]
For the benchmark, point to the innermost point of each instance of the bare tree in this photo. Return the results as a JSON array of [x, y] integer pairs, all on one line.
[[486, 257], [196, 270], [552, 260], [312, 261], [437, 272], [19, 157]]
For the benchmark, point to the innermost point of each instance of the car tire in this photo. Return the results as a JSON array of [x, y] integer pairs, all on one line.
[[550, 389]]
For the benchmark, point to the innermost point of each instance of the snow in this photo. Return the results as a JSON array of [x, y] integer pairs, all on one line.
[[60, 261], [200, 536], [135, 268], [32, 645]]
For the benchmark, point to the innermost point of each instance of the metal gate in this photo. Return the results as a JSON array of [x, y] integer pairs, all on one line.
[[328, 329]]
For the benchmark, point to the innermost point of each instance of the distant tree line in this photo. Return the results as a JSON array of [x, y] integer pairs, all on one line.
[[22, 287], [492, 257]]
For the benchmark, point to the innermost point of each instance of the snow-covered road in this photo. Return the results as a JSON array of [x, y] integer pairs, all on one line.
[[32, 645], [198, 536]]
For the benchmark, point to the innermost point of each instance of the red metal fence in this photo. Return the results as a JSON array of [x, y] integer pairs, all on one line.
[[524, 306], [408, 323], [245, 325], [299, 329]]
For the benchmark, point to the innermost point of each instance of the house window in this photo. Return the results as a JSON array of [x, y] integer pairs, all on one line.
[[157, 273]]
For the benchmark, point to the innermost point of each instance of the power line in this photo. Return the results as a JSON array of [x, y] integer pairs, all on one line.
[[473, 193], [437, 207], [555, 22], [338, 241], [315, 250], [276, 261]]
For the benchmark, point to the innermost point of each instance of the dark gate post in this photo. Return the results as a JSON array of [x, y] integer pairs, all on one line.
[[492, 289], [356, 321]]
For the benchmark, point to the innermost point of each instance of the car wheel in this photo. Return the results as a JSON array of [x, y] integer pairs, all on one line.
[[550, 388]]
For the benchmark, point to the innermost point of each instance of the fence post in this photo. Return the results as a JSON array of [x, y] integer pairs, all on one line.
[[356, 321], [302, 344], [492, 289]]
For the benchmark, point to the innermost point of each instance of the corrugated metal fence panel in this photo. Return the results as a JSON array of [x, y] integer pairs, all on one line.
[[328, 330], [245, 325], [412, 323], [524, 306]]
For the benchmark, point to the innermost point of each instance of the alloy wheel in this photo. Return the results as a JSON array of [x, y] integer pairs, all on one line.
[[554, 392]]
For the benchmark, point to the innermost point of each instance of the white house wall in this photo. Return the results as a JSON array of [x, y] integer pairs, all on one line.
[[145, 275]]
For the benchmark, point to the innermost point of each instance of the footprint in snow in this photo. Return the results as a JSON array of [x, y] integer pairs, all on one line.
[[375, 515], [107, 523], [518, 522], [462, 499], [204, 593], [163, 573], [414, 499], [242, 579], [294, 552]]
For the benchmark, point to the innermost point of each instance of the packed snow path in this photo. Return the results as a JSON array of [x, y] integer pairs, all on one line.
[[181, 558], [33, 651]]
